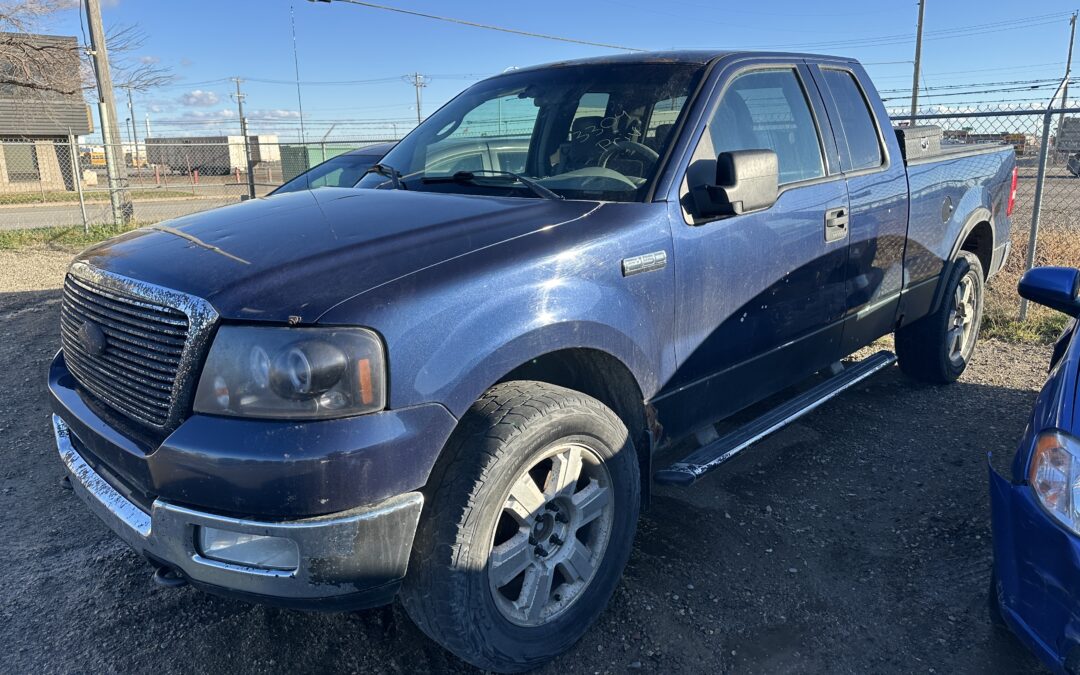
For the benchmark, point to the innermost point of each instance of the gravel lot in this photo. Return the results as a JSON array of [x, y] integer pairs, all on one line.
[[857, 540]]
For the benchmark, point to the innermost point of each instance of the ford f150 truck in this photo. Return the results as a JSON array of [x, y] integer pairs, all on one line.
[[450, 384]]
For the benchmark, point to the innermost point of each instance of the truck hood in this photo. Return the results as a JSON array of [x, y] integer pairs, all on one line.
[[298, 254]]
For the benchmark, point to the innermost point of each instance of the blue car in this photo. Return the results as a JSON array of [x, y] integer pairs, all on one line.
[[1036, 509]]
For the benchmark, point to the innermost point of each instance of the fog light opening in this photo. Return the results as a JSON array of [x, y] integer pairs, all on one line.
[[249, 550]]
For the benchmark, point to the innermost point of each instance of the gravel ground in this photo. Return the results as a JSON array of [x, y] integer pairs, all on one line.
[[857, 540]]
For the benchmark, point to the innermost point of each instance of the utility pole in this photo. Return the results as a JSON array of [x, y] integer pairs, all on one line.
[[247, 145], [110, 131], [1068, 73], [148, 134], [418, 81], [918, 63]]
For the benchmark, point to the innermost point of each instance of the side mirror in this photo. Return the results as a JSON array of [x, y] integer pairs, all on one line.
[[746, 180], [1054, 287]]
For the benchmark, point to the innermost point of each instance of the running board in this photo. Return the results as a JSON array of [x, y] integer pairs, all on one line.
[[709, 457]]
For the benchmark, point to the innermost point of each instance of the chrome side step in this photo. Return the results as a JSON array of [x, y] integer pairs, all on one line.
[[709, 457]]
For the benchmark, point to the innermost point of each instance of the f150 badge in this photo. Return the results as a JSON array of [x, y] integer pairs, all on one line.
[[649, 262]]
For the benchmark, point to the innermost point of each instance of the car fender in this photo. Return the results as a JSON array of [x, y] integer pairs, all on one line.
[[454, 331], [459, 369]]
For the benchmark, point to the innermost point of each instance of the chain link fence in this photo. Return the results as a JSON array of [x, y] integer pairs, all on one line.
[[58, 182], [1046, 218]]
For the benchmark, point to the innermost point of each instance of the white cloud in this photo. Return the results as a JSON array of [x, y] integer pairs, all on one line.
[[275, 114], [210, 114], [149, 60], [198, 97]]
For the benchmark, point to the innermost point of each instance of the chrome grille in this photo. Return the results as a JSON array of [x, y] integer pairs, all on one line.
[[136, 366]]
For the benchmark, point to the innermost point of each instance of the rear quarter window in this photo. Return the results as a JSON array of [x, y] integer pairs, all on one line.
[[858, 140]]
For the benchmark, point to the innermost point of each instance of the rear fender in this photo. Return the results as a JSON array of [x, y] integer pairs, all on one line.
[[980, 214]]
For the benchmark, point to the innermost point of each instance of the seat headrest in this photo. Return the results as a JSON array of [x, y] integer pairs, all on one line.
[[583, 123], [662, 131]]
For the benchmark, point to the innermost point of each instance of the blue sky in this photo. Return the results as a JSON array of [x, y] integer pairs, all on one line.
[[205, 42]]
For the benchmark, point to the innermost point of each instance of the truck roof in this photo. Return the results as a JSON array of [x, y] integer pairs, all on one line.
[[690, 56]]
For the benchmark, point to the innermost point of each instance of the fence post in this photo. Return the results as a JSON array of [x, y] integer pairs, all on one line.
[[1040, 179], [76, 172]]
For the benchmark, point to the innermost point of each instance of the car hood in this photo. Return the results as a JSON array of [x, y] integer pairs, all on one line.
[[298, 254]]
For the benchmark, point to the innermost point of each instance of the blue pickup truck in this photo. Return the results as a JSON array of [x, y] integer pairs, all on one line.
[[452, 384]]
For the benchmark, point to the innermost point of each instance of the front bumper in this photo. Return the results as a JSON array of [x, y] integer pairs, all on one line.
[[264, 469], [1037, 572], [348, 560]]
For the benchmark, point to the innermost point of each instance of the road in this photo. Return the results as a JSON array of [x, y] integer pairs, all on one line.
[[854, 541], [69, 215]]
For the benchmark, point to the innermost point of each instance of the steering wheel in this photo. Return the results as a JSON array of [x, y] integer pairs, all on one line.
[[639, 150]]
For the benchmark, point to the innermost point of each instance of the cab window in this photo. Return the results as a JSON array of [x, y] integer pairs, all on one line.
[[768, 110]]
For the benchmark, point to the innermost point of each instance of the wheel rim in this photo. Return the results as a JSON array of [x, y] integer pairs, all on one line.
[[551, 534], [960, 337]]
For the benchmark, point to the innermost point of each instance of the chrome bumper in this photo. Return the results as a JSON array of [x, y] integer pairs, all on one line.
[[341, 555]]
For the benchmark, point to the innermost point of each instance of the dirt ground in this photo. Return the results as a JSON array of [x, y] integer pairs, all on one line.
[[857, 540]]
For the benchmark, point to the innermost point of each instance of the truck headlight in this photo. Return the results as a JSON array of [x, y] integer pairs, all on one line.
[[1055, 477], [294, 373]]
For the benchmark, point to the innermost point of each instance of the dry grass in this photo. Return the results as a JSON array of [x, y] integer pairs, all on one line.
[[1058, 245], [70, 239]]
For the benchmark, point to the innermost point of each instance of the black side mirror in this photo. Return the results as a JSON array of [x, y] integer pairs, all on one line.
[[746, 180], [1054, 287]]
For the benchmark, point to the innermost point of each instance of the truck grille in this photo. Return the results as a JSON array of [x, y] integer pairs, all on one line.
[[124, 350]]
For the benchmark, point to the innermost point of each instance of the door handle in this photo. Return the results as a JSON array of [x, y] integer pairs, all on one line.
[[836, 224]]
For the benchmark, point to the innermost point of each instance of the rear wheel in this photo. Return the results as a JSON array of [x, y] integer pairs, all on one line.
[[527, 528], [938, 347]]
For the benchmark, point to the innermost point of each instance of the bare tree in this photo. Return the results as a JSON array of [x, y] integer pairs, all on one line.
[[130, 72], [32, 63]]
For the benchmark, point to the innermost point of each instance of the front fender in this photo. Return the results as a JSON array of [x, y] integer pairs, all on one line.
[[455, 330], [486, 341]]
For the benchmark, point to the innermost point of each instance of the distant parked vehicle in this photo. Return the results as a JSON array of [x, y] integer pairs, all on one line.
[[343, 170], [1036, 508]]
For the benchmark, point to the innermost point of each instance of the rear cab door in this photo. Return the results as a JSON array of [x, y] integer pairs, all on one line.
[[759, 296], [869, 158]]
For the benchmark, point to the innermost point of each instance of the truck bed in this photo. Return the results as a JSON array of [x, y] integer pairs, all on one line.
[[956, 151]]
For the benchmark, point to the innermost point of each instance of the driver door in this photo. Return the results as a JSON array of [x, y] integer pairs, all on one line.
[[759, 296]]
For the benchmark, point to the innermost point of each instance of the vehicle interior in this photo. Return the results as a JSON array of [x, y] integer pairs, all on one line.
[[592, 132]]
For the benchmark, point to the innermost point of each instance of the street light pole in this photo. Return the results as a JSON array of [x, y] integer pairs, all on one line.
[[134, 129]]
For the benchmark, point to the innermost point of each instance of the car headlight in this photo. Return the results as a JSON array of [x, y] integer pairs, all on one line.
[[1055, 476], [276, 372]]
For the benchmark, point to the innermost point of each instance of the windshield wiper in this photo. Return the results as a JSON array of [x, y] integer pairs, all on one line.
[[470, 176], [390, 172]]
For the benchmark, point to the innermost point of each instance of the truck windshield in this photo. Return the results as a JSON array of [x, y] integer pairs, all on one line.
[[591, 131]]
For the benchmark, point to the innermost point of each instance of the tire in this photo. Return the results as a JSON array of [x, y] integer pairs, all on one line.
[[938, 347], [456, 590]]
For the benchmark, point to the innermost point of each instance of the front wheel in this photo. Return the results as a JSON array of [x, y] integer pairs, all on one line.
[[938, 347], [527, 527]]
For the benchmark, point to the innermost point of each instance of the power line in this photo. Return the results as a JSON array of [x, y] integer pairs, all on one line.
[[486, 26], [941, 34], [1028, 66], [973, 84]]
